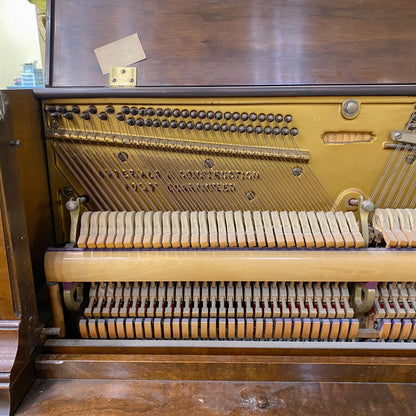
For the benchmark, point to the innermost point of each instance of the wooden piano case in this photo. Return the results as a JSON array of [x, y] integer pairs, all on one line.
[[212, 51]]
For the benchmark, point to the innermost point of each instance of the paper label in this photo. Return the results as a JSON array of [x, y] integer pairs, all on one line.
[[122, 52]]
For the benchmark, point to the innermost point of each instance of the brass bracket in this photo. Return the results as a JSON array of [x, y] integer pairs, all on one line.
[[74, 296], [363, 298], [123, 77]]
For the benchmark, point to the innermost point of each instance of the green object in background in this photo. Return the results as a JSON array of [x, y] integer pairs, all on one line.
[[41, 4]]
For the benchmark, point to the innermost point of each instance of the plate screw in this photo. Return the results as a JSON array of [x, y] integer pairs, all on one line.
[[297, 171], [350, 108], [250, 195], [209, 163]]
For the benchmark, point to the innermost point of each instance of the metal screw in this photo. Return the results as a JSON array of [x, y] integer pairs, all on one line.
[[123, 156], [209, 163], [250, 195], [16, 143], [131, 79], [113, 80], [350, 108], [123, 71], [68, 191], [397, 135], [297, 171]]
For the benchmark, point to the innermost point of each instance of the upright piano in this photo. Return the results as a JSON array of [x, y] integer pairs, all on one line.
[[245, 210]]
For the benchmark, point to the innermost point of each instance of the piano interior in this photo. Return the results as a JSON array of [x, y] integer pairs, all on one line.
[[272, 219], [245, 209]]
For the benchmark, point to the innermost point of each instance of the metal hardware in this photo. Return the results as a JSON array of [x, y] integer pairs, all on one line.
[[364, 208], [74, 296], [74, 207], [16, 143], [403, 136], [363, 298], [350, 108], [123, 77], [51, 332], [297, 171]]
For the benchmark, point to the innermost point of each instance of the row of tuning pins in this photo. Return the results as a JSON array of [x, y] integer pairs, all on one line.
[[183, 119]]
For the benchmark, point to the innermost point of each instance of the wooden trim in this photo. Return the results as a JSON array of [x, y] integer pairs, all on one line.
[[203, 347], [19, 336], [232, 91], [50, 26], [227, 368]]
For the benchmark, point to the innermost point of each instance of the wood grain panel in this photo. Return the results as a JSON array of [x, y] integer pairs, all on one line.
[[227, 368], [99, 397], [214, 42]]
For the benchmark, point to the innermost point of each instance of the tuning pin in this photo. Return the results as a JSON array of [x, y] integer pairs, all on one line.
[[103, 116], [278, 118], [68, 115], [92, 109], [60, 109], [85, 115], [75, 109], [109, 109], [125, 110], [120, 117]]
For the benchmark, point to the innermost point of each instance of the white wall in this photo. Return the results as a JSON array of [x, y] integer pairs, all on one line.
[[19, 39]]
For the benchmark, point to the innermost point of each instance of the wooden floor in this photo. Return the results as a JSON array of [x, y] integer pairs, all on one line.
[[174, 398]]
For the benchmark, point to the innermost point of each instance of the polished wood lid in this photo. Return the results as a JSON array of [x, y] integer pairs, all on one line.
[[234, 43]]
